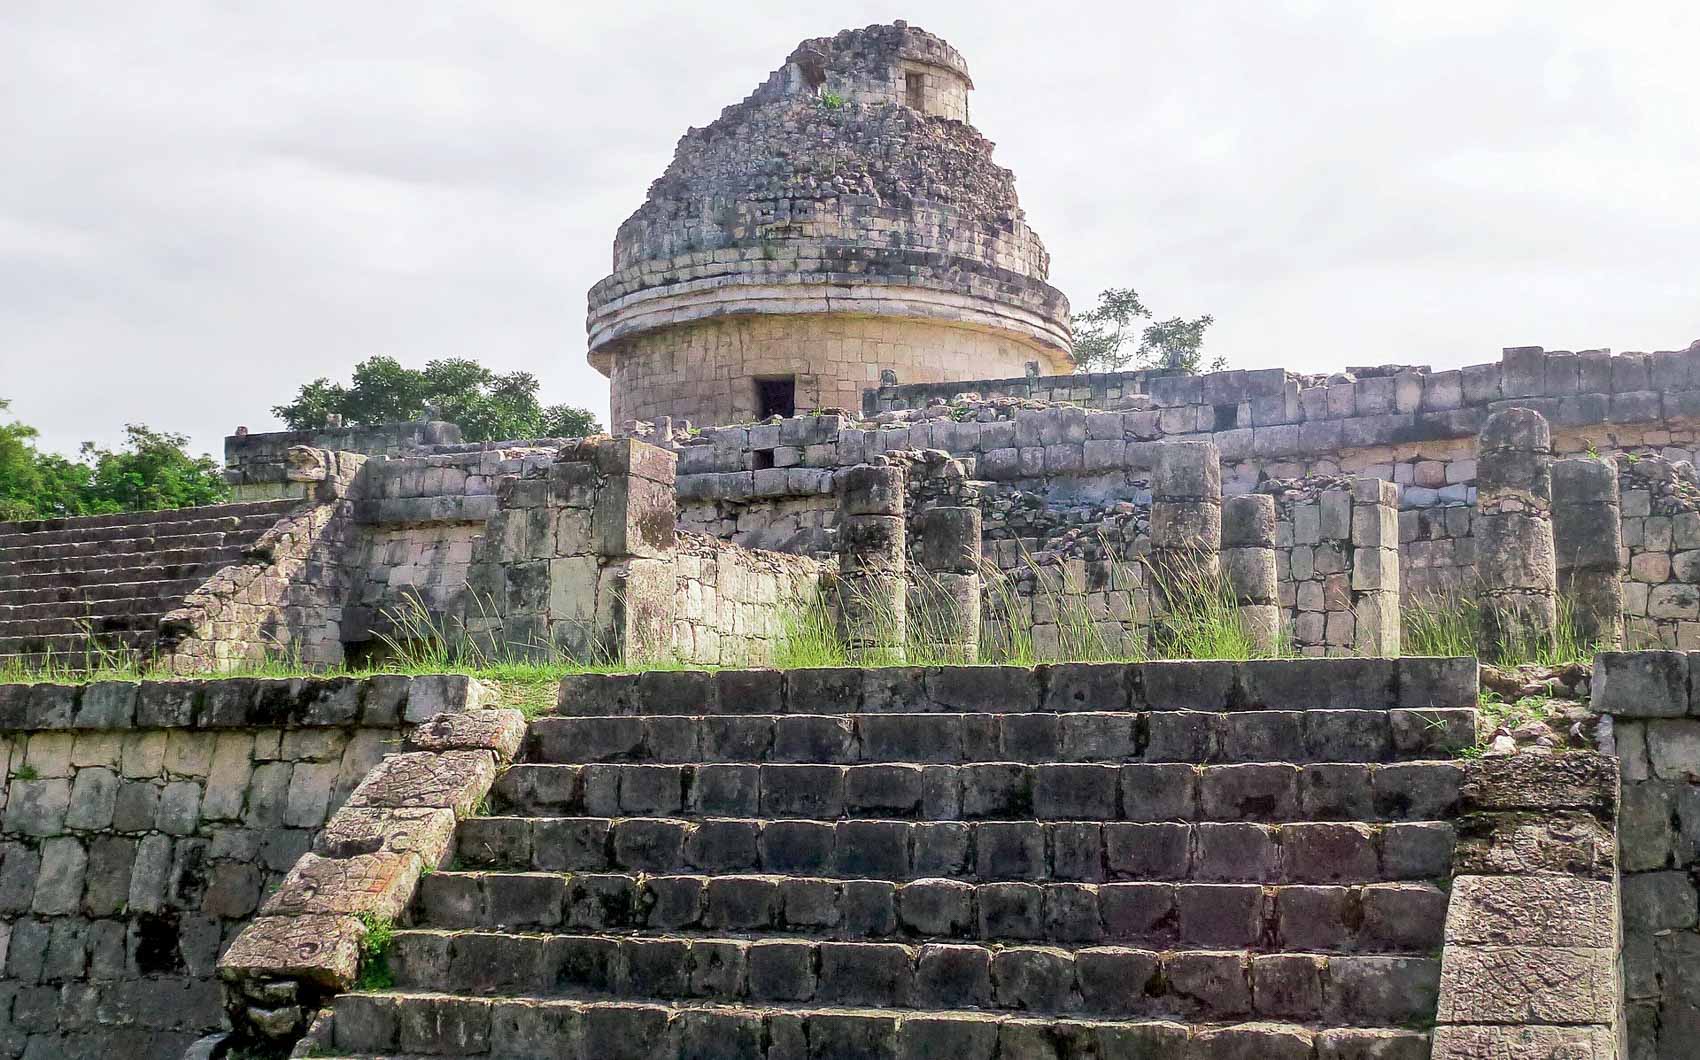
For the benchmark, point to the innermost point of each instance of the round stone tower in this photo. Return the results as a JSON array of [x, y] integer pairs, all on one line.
[[843, 221]]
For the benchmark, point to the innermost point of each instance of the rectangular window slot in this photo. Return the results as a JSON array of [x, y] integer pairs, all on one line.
[[761, 459], [915, 90], [776, 396]]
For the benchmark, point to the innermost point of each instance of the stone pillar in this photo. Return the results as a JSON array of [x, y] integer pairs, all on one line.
[[1375, 567], [577, 560], [944, 597], [1186, 507], [1587, 531], [1513, 531], [1248, 558], [1186, 526], [872, 561]]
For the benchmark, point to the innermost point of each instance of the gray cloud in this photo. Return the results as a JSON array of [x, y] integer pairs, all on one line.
[[203, 205]]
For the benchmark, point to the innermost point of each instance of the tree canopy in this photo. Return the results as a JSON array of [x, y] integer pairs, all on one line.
[[486, 405], [152, 469], [1104, 337]]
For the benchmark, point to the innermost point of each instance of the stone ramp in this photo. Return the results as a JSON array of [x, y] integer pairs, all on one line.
[[73, 588], [1087, 860]]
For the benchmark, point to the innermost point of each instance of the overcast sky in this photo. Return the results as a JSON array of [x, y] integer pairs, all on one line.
[[205, 204]]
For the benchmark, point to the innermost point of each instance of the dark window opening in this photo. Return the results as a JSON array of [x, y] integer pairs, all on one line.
[[776, 397], [1227, 416], [761, 459], [915, 88]]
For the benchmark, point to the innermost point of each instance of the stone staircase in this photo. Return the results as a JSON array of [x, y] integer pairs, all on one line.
[[1202, 860], [70, 588]]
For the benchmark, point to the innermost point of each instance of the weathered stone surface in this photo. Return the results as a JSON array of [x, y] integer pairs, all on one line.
[[320, 949], [1527, 984], [423, 832], [1524, 1042], [1531, 911], [379, 884], [454, 779], [1640, 684], [500, 731]]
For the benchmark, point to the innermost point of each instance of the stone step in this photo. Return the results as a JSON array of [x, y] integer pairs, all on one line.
[[1123, 981], [1257, 684], [217, 537], [71, 540], [1153, 736], [73, 651], [120, 566], [90, 609], [162, 515], [399, 1026], [1315, 852], [1374, 918], [71, 593], [1013, 791], [144, 614]]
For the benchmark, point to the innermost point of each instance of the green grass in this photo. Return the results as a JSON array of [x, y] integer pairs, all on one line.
[[1450, 625], [375, 973]]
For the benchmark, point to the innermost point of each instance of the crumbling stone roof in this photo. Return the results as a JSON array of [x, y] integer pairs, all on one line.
[[825, 174]]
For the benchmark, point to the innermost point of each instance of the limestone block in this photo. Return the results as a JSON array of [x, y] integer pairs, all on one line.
[[453, 779], [1248, 521], [1527, 984], [380, 884], [500, 731], [950, 539], [869, 490], [1521, 1041], [1646, 684], [635, 517], [871, 543], [436, 694], [1531, 911], [321, 949], [425, 833], [1187, 471]]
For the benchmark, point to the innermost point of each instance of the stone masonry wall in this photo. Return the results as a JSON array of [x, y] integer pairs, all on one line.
[[143, 825], [1653, 703], [732, 604]]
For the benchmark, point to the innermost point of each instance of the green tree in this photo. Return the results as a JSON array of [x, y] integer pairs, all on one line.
[[151, 470], [1104, 337], [20, 481], [486, 405]]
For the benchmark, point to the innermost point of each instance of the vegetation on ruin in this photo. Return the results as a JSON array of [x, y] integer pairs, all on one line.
[[1120, 330], [152, 469], [1450, 625], [375, 973], [486, 405]]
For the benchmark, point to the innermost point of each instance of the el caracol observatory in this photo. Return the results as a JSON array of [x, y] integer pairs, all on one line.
[[842, 222]]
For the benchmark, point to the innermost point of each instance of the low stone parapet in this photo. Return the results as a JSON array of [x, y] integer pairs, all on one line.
[[146, 822]]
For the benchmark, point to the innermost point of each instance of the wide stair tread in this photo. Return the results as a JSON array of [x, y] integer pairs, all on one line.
[[1037, 737], [1371, 918], [1204, 982], [1317, 852], [106, 566], [406, 1025], [1271, 792], [83, 524]]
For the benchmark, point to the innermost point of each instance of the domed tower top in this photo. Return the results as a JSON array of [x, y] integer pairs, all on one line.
[[842, 221]]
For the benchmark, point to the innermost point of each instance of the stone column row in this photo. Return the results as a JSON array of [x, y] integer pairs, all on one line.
[[1186, 525], [1375, 567]]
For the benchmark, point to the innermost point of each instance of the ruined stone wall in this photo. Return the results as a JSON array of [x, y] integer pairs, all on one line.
[[1649, 697], [732, 604], [145, 823], [254, 464]]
